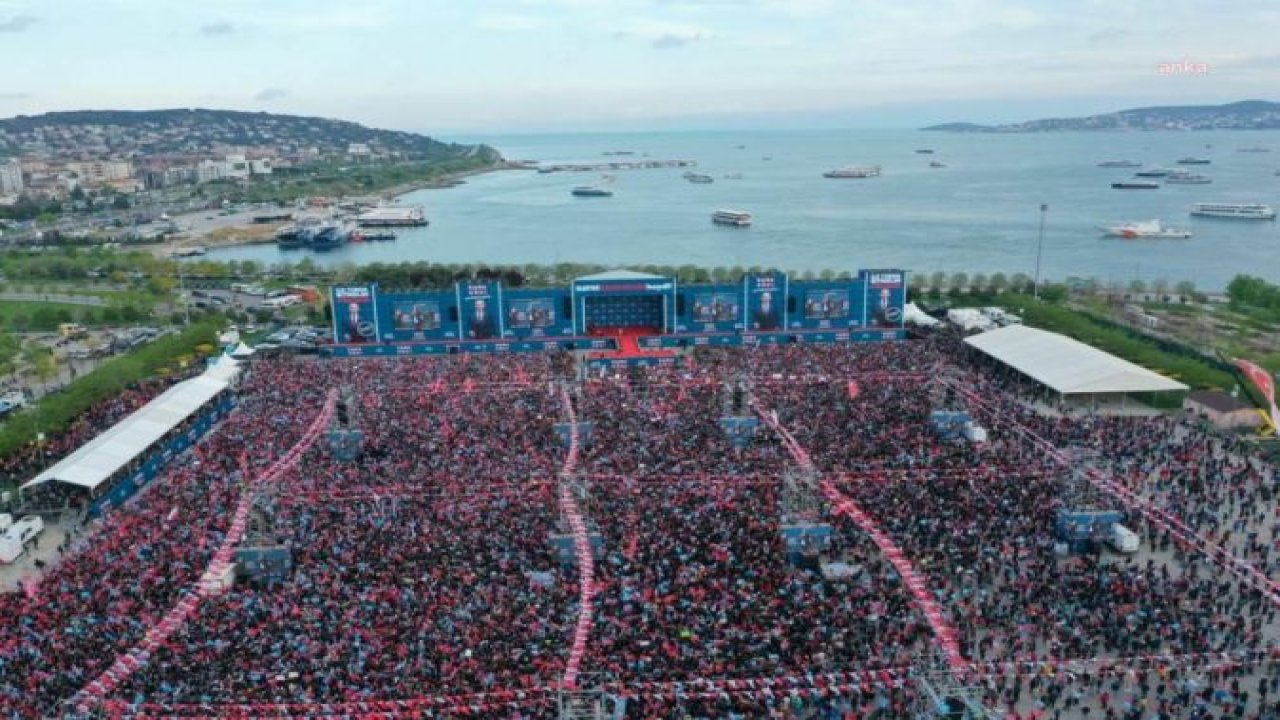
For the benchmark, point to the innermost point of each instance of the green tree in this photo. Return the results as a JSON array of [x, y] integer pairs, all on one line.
[[999, 282]]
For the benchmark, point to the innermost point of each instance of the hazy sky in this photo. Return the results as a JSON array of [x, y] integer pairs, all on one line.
[[474, 66]]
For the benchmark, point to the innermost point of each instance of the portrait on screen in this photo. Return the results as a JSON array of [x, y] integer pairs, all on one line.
[[826, 305], [416, 316], [715, 307], [535, 313]]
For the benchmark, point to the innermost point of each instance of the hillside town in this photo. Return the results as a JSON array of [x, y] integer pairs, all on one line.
[[61, 156]]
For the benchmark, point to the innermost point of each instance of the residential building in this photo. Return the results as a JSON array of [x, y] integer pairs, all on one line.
[[98, 172], [10, 178], [260, 167]]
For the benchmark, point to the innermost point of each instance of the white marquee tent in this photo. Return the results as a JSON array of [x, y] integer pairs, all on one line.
[[1067, 366], [96, 461]]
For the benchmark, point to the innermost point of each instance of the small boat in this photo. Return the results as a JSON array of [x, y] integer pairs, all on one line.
[[1187, 178], [1254, 149], [854, 171], [1153, 172], [1119, 164], [1239, 211], [698, 178], [1147, 229], [590, 191], [733, 176], [1194, 161], [377, 236], [924, 151], [1135, 185], [936, 164], [736, 218]]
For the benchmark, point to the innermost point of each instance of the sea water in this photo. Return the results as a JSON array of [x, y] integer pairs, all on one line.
[[981, 213]]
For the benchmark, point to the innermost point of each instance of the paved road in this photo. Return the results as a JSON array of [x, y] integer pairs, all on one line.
[[55, 298]]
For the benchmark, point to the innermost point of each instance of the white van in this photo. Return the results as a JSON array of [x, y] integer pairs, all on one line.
[[14, 540], [1123, 540]]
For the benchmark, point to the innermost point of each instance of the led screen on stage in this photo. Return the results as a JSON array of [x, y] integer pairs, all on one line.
[[826, 304], [354, 313], [719, 307], [530, 314], [478, 310], [886, 296], [415, 316]]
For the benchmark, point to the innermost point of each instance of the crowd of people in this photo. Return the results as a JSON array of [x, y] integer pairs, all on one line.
[[435, 562]]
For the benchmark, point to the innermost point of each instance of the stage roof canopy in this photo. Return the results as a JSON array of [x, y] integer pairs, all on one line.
[[103, 456], [619, 275], [1067, 366]]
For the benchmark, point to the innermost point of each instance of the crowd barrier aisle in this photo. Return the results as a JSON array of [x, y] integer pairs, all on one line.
[[1216, 553], [208, 584], [942, 629], [582, 546]]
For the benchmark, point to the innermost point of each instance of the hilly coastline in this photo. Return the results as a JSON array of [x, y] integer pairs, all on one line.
[[1244, 115], [123, 133]]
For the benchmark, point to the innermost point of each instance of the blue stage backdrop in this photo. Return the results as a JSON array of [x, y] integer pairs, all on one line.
[[484, 314]]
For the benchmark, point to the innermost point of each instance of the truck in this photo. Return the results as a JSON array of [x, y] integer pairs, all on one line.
[[1123, 540]]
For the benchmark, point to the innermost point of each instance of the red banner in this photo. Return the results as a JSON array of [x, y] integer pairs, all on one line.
[[1263, 380]]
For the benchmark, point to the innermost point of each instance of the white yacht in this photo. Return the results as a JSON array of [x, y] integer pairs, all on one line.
[[737, 218], [854, 171], [1145, 229], [1234, 210]]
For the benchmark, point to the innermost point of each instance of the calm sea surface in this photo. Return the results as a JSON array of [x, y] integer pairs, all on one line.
[[979, 214]]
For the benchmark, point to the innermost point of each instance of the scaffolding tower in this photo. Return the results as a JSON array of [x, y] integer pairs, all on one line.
[[940, 694], [589, 701]]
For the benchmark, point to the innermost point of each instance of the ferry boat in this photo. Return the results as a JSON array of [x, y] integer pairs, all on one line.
[[1153, 172], [737, 218], [698, 178], [1146, 229], [1234, 210], [1119, 164], [854, 171], [590, 191], [1193, 161], [1186, 178], [392, 216], [1135, 185]]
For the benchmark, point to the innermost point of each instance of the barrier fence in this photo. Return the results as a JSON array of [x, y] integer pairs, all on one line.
[[582, 547]]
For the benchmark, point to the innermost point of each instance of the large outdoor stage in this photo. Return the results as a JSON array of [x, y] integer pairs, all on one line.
[[621, 318]]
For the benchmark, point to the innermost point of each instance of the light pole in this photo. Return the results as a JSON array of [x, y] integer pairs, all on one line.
[[1044, 208]]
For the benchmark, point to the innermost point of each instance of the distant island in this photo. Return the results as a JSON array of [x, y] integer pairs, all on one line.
[[1244, 115]]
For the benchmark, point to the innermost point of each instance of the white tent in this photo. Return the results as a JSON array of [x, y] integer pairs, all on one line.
[[1067, 366], [241, 351], [225, 368], [103, 456], [913, 315]]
